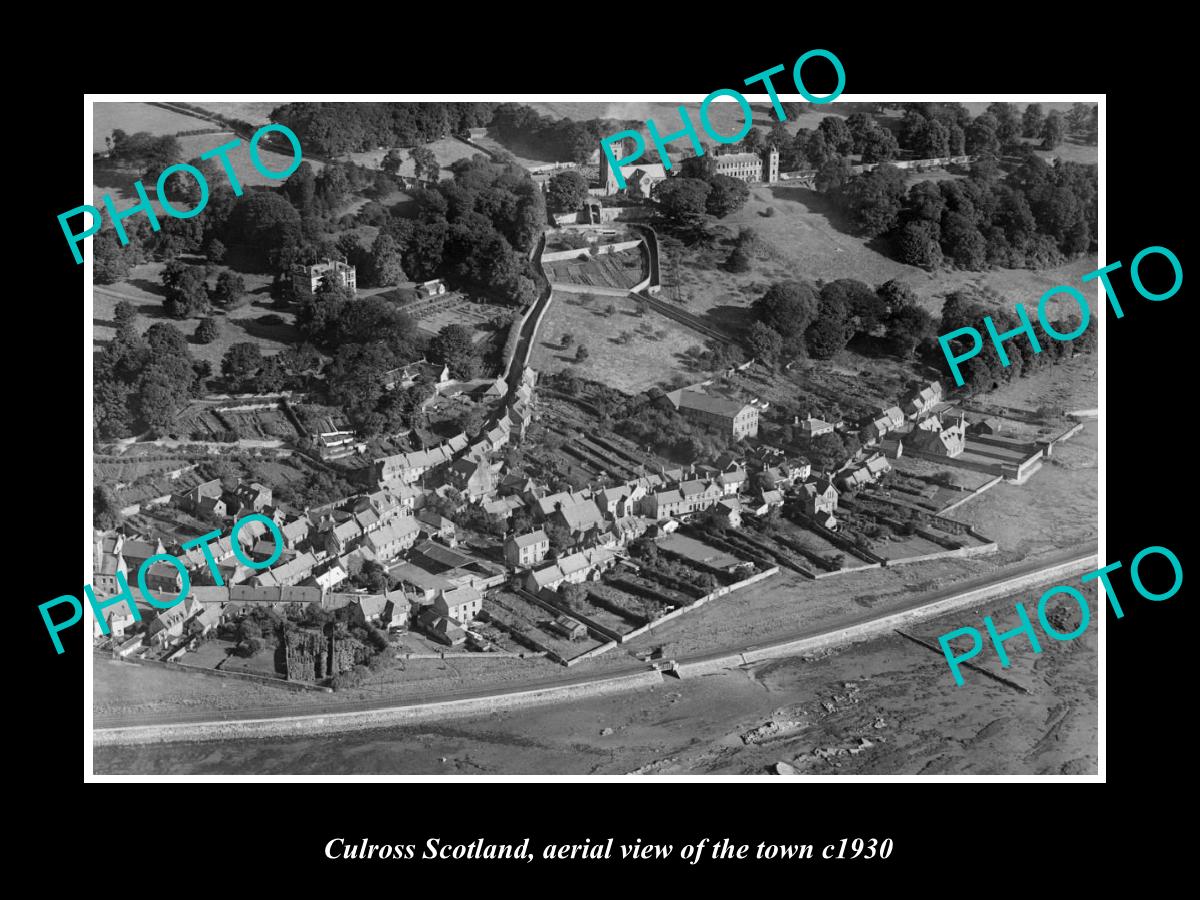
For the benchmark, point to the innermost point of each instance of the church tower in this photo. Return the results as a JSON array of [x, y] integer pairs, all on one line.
[[771, 166]]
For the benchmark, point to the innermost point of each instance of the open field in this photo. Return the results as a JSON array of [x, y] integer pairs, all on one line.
[[529, 159], [118, 183], [256, 112], [134, 117], [447, 150], [1058, 507], [1071, 385], [725, 115], [144, 290], [645, 360], [811, 241]]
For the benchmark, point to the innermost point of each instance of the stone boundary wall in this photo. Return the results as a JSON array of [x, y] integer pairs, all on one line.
[[221, 673], [332, 723]]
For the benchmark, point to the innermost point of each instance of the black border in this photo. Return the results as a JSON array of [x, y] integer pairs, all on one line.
[[1148, 440]]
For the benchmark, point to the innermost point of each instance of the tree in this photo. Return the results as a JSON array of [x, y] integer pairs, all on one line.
[[1052, 130], [391, 162], [683, 201], [981, 135], [187, 294], [373, 577], [454, 347], [863, 307], [230, 291], [581, 353], [764, 343], [214, 251], [157, 403], [924, 201], [788, 307], [874, 199], [962, 242], [1032, 121], [827, 452], [165, 340], [566, 191], [574, 595], [207, 331], [834, 173], [832, 328], [425, 164], [1079, 119], [125, 321], [567, 340], [727, 195], [111, 260], [907, 327], [896, 295], [879, 145], [559, 535], [105, 515], [919, 244], [264, 223], [810, 149], [739, 260], [837, 134], [1005, 115], [386, 264], [240, 364]]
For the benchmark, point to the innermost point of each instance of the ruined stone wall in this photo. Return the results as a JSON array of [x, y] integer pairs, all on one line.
[[312, 656]]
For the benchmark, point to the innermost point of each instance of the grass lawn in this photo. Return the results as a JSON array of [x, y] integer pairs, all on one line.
[[726, 118], [134, 117], [256, 112], [643, 362], [261, 663], [447, 151], [118, 184], [144, 290], [813, 242], [209, 654]]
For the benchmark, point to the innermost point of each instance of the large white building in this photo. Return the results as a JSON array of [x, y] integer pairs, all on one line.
[[307, 279]]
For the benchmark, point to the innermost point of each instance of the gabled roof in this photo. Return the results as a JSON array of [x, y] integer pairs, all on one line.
[[372, 605], [296, 531], [709, 404], [420, 578], [396, 530], [347, 531], [528, 540], [459, 596]]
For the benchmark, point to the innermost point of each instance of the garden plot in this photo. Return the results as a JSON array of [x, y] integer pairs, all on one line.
[[621, 270], [515, 611]]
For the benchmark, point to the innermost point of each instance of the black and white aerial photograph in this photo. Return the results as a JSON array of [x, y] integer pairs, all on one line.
[[462, 438]]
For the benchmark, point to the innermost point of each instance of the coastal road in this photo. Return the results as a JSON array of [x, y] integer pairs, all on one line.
[[1021, 570]]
